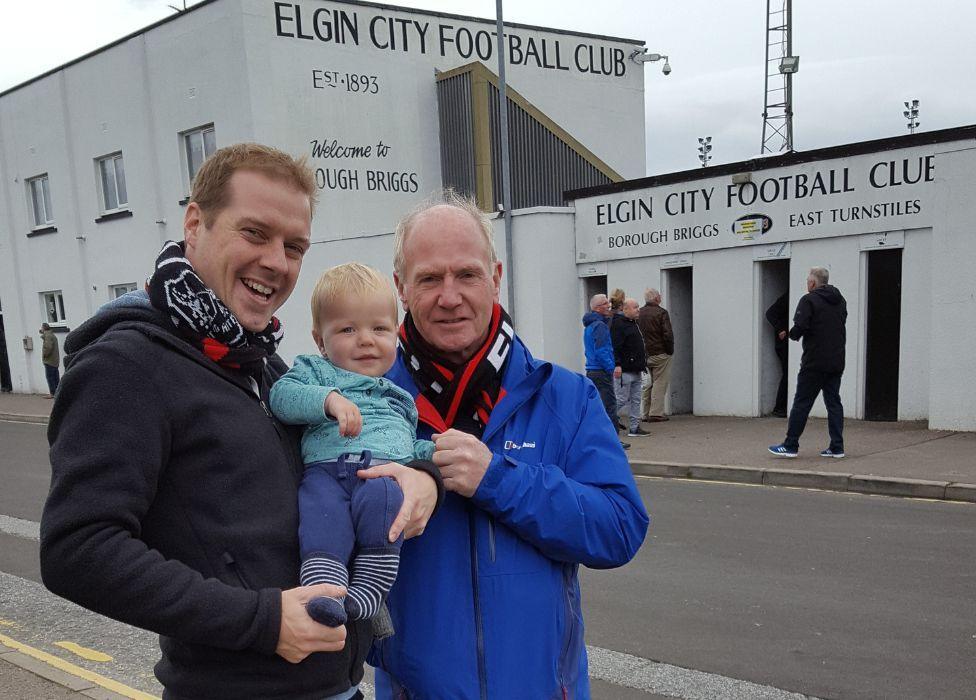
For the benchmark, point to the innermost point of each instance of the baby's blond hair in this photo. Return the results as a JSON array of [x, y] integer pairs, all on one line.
[[350, 280]]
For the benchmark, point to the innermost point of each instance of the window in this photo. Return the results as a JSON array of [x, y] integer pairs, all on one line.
[[117, 290], [39, 192], [198, 145], [53, 307], [111, 176]]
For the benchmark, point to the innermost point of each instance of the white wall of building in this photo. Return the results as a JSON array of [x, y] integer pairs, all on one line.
[[952, 402], [250, 73], [916, 324]]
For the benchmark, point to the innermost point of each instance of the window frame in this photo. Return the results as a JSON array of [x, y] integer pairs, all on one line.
[[116, 159], [57, 299], [46, 201], [186, 158], [117, 290]]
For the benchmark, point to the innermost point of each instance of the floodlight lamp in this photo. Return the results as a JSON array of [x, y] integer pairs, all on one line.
[[789, 64]]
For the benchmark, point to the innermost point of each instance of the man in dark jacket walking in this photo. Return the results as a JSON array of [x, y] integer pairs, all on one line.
[[174, 491], [628, 353], [820, 319]]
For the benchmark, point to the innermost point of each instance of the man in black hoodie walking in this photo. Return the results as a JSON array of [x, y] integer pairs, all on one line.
[[820, 320]]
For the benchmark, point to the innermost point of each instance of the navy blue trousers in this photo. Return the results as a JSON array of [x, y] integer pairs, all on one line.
[[604, 386], [340, 513], [809, 383], [53, 377]]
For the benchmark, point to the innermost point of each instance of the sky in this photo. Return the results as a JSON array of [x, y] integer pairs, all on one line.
[[859, 61]]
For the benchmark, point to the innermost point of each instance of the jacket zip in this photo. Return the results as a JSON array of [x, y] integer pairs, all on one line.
[[478, 625], [232, 565], [491, 538]]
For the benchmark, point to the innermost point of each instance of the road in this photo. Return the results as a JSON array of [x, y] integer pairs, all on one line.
[[739, 592]]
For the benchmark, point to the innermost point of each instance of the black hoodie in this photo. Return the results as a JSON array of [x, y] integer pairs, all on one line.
[[173, 507], [820, 320]]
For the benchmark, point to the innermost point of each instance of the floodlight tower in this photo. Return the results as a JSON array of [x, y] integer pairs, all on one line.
[[781, 64], [911, 114]]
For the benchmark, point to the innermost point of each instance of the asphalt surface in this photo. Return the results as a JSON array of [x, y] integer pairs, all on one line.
[[740, 592], [821, 593]]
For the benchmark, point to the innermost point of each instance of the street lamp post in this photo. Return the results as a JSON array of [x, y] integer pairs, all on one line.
[[911, 114], [705, 150]]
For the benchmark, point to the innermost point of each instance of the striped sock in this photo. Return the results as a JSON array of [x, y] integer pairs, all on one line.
[[372, 577], [325, 610]]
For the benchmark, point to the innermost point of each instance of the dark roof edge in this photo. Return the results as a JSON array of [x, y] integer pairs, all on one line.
[[361, 3], [959, 133]]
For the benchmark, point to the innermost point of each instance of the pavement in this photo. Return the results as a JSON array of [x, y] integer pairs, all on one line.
[[885, 458]]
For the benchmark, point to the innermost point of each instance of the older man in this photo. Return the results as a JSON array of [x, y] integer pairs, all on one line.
[[174, 492], [628, 352], [821, 321], [655, 325], [487, 602]]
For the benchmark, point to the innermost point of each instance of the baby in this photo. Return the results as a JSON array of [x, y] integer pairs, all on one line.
[[352, 416]]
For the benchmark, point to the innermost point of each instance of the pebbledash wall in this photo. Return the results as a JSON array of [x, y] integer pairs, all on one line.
[[352, 85], [721, 243]]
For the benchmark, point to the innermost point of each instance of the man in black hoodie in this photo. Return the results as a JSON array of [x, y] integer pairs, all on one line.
[[174, 491], [820, 320]]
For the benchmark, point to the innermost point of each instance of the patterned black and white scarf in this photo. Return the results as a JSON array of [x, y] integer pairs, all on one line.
[[201, 317], [459, 396]]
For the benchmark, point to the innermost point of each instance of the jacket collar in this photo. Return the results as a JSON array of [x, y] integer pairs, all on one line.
[[524, 376]]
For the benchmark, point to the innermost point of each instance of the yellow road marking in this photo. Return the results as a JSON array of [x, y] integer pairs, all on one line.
[[69, 667], [83, 652]]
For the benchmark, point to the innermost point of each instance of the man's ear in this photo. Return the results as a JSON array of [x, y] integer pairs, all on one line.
[[496, 277], [399, 288], [192, 223]]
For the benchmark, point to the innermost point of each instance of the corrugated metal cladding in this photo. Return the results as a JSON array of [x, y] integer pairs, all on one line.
[[457, 133], [543, 166]]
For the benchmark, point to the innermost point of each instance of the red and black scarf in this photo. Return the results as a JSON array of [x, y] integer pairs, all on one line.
[[459, 396], [201, 317]]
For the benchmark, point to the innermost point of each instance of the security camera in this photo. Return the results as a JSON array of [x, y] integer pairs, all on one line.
[[667, 69]]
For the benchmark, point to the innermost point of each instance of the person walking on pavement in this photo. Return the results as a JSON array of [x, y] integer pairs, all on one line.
[[628, 353], [820, 319], [51, 357], [655, 325], [778, 316], [599, 354]]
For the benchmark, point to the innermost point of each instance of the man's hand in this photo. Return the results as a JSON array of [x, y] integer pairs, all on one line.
[[300, 635], [781, 335], [419, 497], [463, 460], [617, 371], [346, 414]]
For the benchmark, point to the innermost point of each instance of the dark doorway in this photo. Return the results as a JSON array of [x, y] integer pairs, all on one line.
[[883, 335], [5, 379], [591, 286], [775, 313], [678, 300]]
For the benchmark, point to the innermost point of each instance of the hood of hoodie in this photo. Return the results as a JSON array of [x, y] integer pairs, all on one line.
[[829, 294], [132, 310], [591, 317]]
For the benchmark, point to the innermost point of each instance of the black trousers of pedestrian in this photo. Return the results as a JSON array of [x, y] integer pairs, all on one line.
[[809, 383], [604, 385], [53, 377], [782, 352]]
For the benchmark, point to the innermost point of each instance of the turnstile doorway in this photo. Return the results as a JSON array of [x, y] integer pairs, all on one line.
[[678, 295], [775, 314], [883, 336]]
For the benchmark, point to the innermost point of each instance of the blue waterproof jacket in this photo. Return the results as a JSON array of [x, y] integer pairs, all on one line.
[[487, 601], [596, 342]]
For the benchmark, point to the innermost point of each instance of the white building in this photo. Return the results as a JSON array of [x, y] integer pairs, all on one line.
[[892, 220], [97, 156]]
